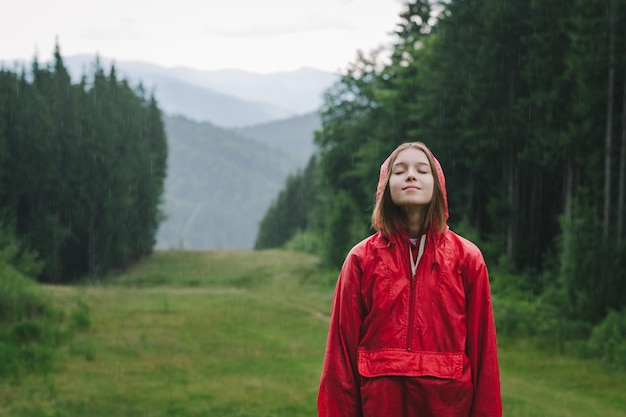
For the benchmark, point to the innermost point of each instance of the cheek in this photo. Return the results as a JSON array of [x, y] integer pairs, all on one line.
[[394, 195], [431, 188], [392, 185], [393, 191], [431, 183]]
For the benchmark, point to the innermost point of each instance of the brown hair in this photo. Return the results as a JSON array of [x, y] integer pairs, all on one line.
[[388, 218]]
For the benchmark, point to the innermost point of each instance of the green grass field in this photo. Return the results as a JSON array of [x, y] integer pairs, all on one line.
[[242, 334]]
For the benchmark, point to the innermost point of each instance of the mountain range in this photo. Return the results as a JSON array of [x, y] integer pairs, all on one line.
[[218, 186], [233, 136], [226, 98]]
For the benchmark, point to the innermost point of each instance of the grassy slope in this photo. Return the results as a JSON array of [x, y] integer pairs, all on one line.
[[241, 333]]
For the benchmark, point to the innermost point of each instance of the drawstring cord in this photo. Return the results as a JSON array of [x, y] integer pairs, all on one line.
[[420, 252]]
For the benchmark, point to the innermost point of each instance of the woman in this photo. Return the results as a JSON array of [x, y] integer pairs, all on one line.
[[412, 331]]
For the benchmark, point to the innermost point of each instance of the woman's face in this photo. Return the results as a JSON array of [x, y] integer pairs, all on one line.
[[411, 183]]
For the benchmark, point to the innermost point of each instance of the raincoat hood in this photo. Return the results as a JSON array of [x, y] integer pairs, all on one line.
[[383, 180]]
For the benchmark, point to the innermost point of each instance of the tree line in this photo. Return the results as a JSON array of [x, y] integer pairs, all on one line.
[[524, 103], [82, 166]]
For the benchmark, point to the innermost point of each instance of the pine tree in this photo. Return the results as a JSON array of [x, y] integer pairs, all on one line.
[[83, 169]]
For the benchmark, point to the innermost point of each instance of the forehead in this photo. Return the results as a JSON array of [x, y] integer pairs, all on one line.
[[411, 156]]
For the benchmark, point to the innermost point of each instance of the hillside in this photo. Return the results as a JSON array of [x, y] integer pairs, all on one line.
[[218, 186], [201, 104], [292, 136]]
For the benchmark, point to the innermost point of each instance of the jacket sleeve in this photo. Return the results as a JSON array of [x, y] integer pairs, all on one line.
[[339, 391], [481, 341]]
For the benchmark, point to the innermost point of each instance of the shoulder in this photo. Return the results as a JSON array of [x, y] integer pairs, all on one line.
[[464, 248], [467, 255], [367, 245], [364, 251]]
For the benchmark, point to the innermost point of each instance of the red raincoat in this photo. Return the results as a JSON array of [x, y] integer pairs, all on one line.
[[422, 346]]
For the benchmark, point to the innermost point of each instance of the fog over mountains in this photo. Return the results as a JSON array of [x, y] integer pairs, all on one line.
[[234, 137], [226, 98]]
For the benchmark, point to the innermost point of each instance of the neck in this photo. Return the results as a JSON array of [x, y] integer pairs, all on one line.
[[414, 222]]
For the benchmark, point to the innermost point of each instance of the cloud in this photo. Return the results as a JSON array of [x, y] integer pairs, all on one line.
[[123, 30], [259, 35], [278, 28]]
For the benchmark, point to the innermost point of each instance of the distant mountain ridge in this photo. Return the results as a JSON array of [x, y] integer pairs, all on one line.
[[293, 136], [218, 186], [226, 98], [299, 92]]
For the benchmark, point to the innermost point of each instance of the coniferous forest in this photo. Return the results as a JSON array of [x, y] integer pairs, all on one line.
[[82, 167], [524, 104]]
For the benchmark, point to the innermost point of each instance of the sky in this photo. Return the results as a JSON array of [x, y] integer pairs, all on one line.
[[256, 35]]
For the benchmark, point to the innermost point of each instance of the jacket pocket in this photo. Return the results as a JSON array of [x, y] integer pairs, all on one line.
[[401, 362]]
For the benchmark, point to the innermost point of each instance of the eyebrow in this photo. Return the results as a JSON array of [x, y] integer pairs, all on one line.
[[406, 163]]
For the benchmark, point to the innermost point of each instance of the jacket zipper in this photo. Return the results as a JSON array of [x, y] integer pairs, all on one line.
[[409, 339], [413, 283]]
